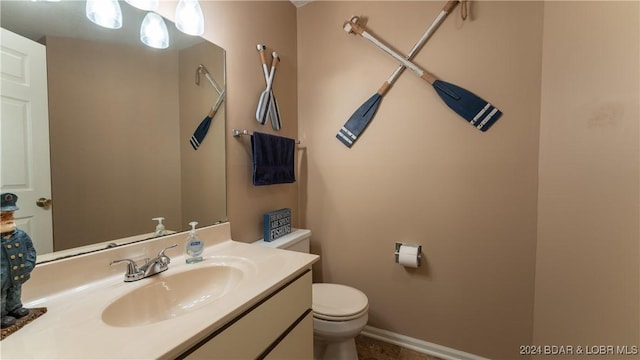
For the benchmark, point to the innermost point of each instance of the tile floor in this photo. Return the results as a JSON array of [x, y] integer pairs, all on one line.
[[372, 349]]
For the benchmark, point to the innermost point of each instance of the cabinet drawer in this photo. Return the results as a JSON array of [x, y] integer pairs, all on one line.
[[298, 344], [253, 332]]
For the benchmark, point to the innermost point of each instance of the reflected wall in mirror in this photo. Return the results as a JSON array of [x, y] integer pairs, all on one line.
[[120, 118]]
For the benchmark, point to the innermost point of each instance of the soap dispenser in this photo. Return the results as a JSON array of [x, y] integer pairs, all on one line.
[[159, 228], [194, 246]]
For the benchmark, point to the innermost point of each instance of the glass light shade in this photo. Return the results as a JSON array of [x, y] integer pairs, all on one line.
[[148, 5], [153, 31], [189, 18], [105, 13]]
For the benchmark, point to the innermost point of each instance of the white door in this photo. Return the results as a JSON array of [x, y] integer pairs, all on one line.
[[24, 135]]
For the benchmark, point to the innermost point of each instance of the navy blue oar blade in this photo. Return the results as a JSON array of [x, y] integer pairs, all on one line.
[[359, 120], [472, 108], [200, 133]]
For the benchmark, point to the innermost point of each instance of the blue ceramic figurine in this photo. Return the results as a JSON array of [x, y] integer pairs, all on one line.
[[18, 259]]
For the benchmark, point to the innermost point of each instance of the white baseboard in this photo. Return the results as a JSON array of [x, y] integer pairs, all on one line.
[[420, 346]]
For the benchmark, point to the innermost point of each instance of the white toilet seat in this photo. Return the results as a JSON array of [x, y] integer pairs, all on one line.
[[334, 302]]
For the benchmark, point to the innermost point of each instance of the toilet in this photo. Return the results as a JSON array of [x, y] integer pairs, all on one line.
[[339, 311]]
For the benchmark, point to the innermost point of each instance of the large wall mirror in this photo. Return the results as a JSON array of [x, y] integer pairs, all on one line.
[[121, 115]]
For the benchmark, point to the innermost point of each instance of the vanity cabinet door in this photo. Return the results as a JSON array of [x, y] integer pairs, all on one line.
[[297, 344], [257, 332]]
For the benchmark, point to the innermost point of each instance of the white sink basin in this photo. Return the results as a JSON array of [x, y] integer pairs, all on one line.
[[159, 317], [172, 295]]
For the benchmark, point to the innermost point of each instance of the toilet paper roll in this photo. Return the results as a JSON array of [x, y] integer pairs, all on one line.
[[408, 256]]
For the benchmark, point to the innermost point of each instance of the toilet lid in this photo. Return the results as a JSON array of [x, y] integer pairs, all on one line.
[[338, 302]]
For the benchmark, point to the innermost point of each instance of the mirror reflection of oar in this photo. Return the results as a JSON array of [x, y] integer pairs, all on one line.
[[358, 122], [475, 110], [202, 69], [202, 129]]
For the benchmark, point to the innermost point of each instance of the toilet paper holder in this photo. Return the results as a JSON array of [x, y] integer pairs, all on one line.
[[397, 253]]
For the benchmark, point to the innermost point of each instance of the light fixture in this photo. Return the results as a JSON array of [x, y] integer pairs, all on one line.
[[148, 5], [189, 18], [105, 13], [153, 31]]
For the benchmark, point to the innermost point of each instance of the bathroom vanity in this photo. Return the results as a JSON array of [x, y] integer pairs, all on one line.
[[278, 327], [241, 301]]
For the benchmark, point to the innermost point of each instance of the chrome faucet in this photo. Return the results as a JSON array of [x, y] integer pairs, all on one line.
[[151, 266]]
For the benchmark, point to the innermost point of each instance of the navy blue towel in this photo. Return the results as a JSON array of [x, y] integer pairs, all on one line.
[[273, 159]]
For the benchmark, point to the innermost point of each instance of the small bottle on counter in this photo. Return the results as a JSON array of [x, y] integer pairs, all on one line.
[[194, 246]]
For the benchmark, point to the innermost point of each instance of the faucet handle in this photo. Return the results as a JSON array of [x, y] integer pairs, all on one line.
[[165, 249], [164, 258], [133, 272], [161, 254]]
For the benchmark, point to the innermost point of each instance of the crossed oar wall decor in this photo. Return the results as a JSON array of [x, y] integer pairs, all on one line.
[[268, 104], [472, 108]]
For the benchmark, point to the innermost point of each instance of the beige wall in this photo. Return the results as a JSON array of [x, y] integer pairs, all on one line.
[[93, 181], [588, 259], [421, 174]]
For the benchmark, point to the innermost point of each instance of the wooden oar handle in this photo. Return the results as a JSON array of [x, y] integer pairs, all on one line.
[[274, 64], [351, 26], [276, 60], [261, 51], [450, 5], [429, 77], [384, 88]]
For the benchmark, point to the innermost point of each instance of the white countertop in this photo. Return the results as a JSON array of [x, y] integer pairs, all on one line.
[[73, 327]]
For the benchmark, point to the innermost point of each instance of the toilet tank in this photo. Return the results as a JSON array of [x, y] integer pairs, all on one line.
[[297, 240]]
